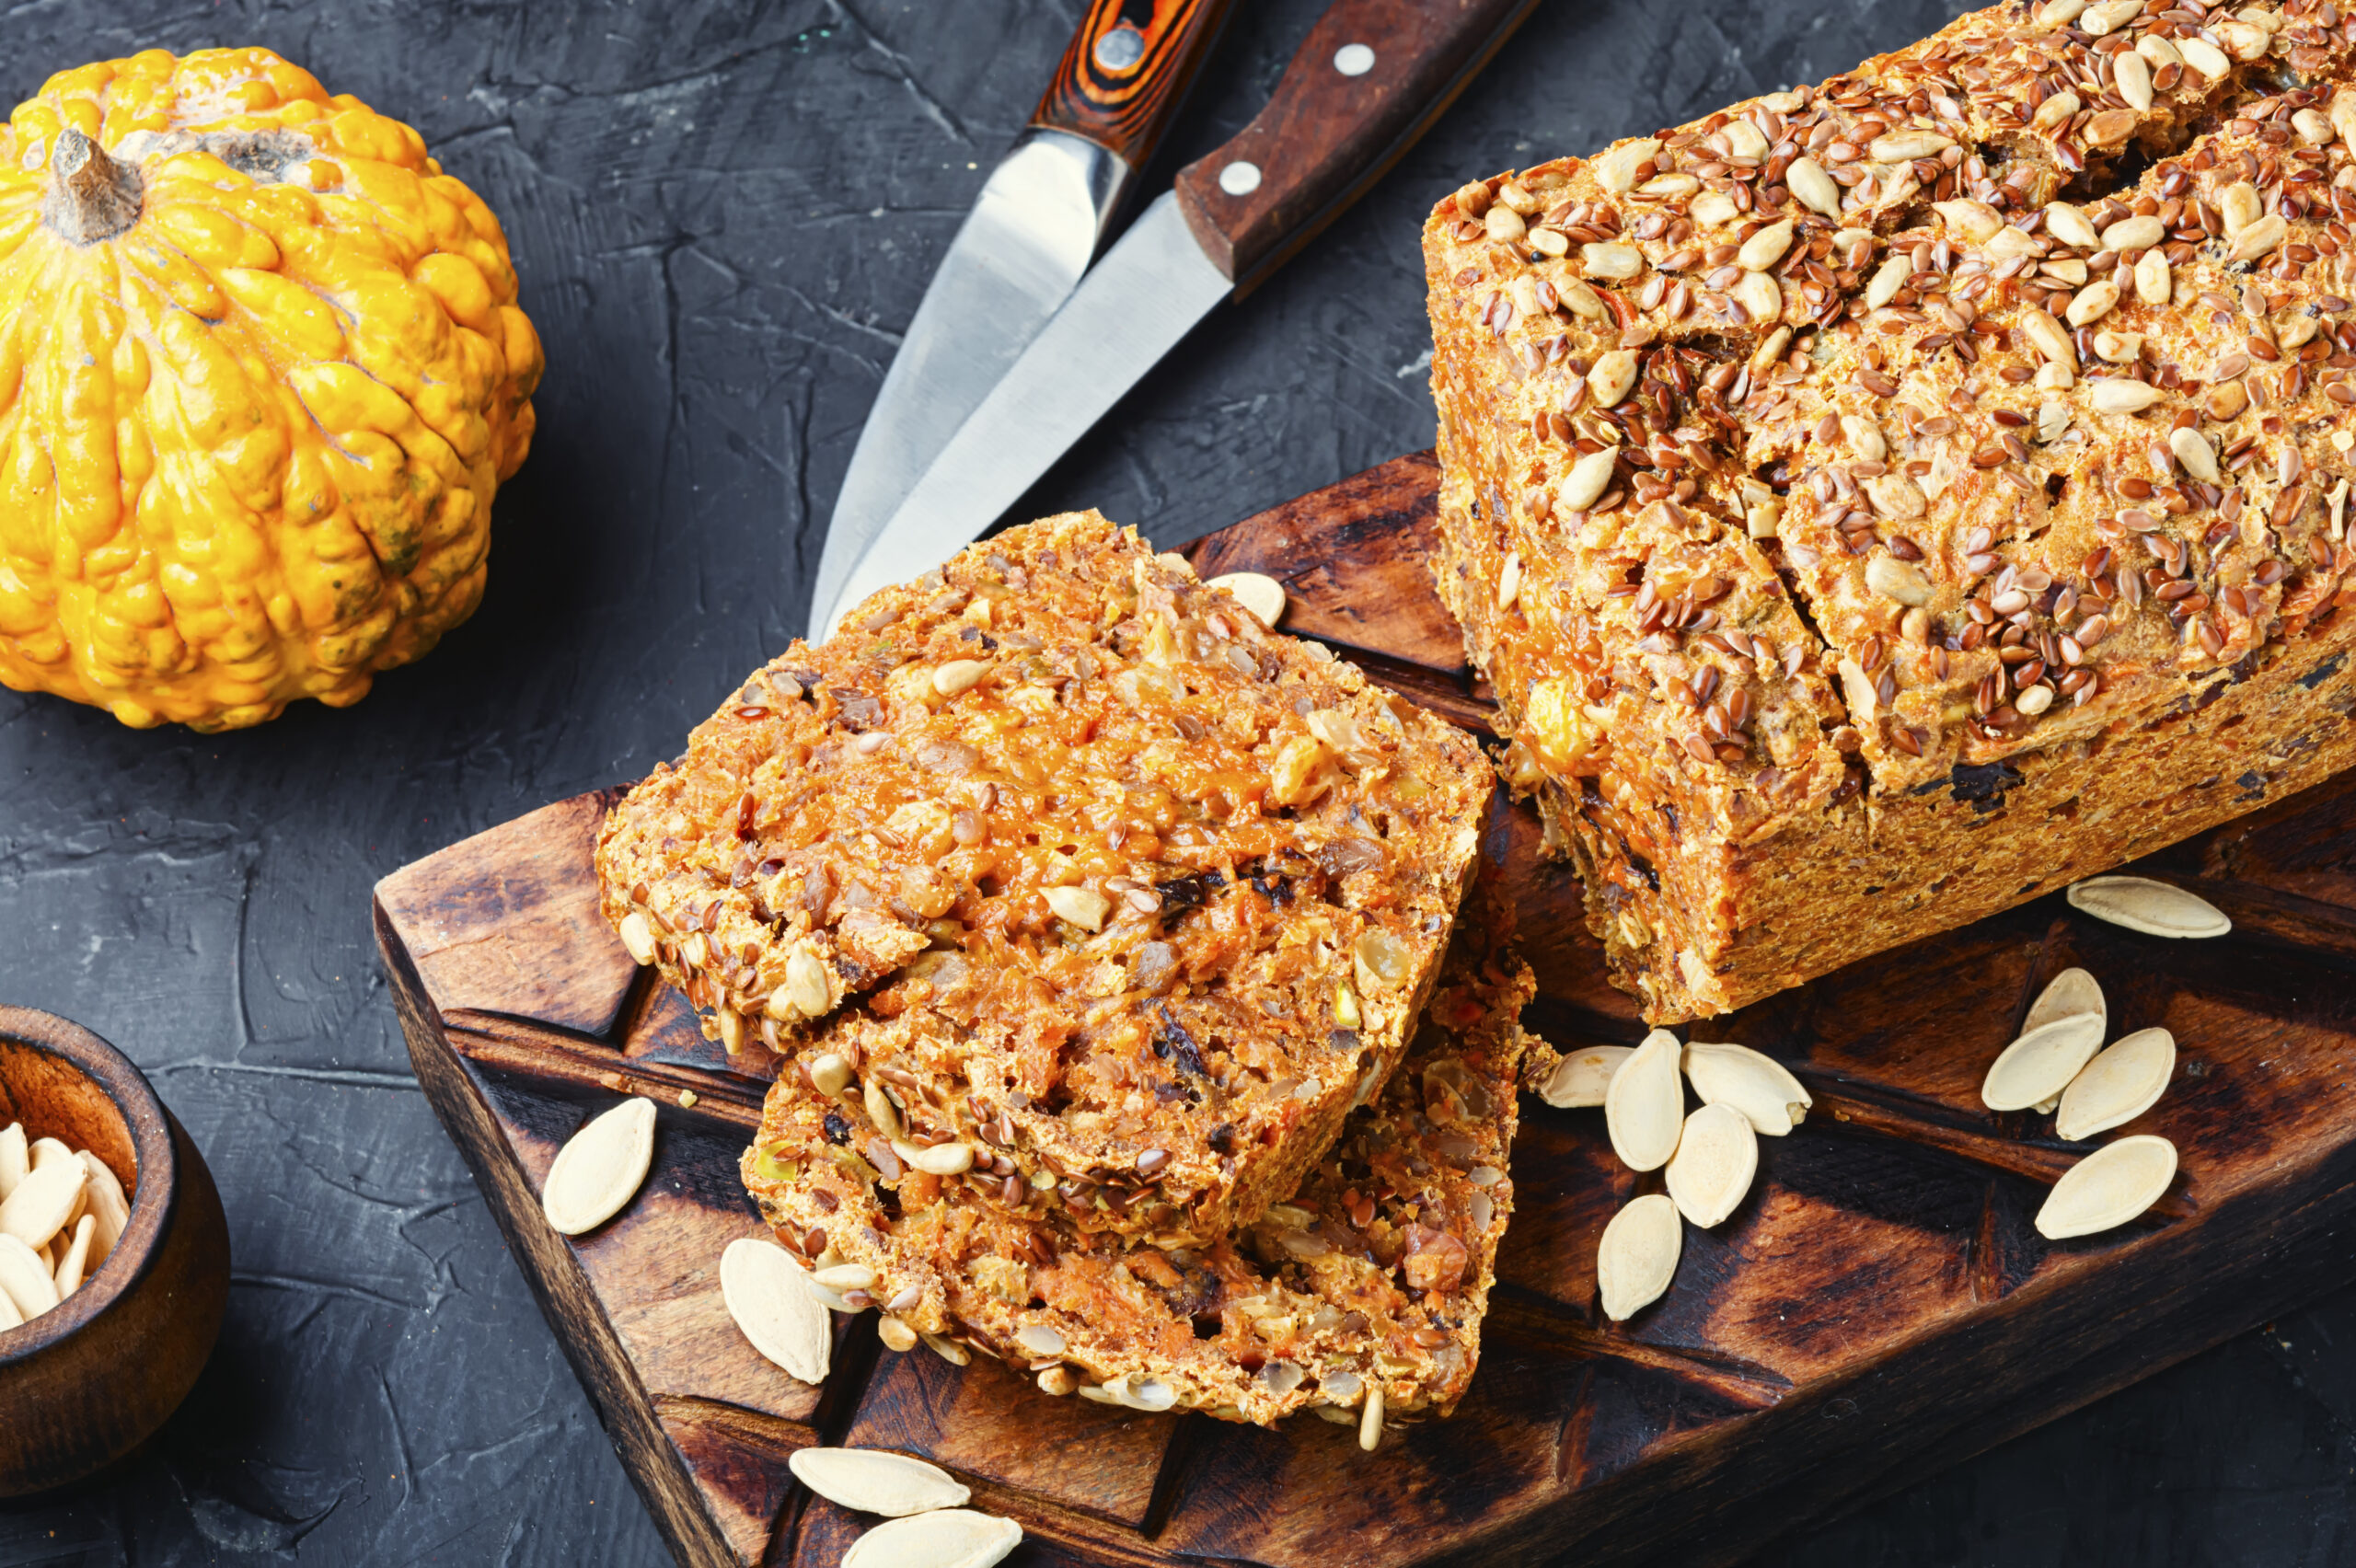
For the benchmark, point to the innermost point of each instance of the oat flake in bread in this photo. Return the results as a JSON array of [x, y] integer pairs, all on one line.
[[1876, 505], [1114, 902], [1371, 1277]]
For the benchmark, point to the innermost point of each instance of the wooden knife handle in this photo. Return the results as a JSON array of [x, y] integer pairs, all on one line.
[[1129, 67], [1369, 81]]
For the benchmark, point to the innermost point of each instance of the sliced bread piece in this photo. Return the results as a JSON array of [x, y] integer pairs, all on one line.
[[1126, 897], [1372, 1277]]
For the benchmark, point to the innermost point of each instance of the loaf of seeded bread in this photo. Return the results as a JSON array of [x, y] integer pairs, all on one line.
[[1114, 902], [1878, 505], [1368, 1281]]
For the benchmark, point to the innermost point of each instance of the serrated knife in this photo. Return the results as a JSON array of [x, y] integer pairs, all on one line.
[[1371, 78], [1022, 248]]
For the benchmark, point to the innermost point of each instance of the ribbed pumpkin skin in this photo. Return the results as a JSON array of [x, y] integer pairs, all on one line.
[[247, 443]]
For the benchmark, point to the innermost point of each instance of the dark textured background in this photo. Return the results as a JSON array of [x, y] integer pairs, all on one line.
[[722, 212]]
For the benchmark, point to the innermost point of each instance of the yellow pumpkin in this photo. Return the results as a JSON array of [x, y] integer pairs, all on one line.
[[261, 371]]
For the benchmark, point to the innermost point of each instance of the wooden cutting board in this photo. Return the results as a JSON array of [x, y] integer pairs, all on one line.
[[1879, 1308]]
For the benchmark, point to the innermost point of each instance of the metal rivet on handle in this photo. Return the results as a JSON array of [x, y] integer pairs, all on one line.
[[1354, 60], [1240, 179], [1120, 50]]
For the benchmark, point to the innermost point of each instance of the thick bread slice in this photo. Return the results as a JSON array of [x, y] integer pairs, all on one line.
[[1876, 505], [1123, 898], [1374, 1273]]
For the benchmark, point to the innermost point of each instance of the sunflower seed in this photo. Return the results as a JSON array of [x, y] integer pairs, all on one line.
[[1760, 296], [2258, 238], [2133, 234], [638, 935], [767, 1294], [1975, 221], [1888, 281], [2132, 76], [2070, 994], [2049, 337], [2041, 1062], [1370, 1419], [2093, 303], [948, 1349], [895, 1334], [75, 1266], [2108, 1187], [2121, 395], [2204, 57], [1809, 184], [2192, 450], [2118, 1086], [2154, 908], [1616, 169], [1613, 374], [958, 676], [1082, 906], [600, 1167], [1766, 247], [875, 1480], [939, 1159], [1263, 596], [1644, 1106], [25, 1280], [1581, 1078], [1609, 261], [1897, 579], [2069, 225], [829, 1074], [1589, 477], [881, 1111], [2153, 284], [14, 1160], [1905, 147], [846, 1276], [1637, 1257], [947, 1538], [1715, 1159], [1759, 1086], [43, 1202]]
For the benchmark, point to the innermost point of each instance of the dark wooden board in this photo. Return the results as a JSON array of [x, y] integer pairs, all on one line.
[[1879, 1307]]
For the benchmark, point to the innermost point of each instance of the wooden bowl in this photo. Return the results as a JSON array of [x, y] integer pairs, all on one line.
[[87, 1381]]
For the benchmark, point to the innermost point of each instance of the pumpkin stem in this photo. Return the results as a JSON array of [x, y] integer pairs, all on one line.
[[91, 197]]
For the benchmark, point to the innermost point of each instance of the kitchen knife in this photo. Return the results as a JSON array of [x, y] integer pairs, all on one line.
[[1373, 76], [1021, 250]]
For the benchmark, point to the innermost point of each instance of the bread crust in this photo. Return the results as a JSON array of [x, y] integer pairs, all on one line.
[[1118, 899], [1373, 1273], [1944, 557]]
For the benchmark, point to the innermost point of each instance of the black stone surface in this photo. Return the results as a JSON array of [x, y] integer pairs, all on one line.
[[722, 212]]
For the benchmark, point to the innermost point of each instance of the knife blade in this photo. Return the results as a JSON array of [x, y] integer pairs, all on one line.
[[1368, 81], [1030, 236]]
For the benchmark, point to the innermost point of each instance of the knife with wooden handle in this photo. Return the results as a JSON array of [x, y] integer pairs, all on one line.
[[1369, 80], [1024, 247]]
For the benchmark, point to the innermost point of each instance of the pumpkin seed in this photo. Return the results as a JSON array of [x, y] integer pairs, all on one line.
[[1715, 1159], [51, 1151], [76, 1265], [2041, 1062], [874, 1480], [14, 1160], [768, 1294], [1637, 1257], [1263, 596], [9, 1316], [108, 1203], [1758, 1086], [2154, 908], [2067, 995], [1581, 1078], [2108, 1187], [947, 1538], [2119, 1085], [1643, 1107], [43, 1202], [25, 1280], [600, 1167]]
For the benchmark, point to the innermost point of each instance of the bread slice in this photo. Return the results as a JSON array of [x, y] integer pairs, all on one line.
[[1372, 1275], [1878, 505], [1118, 899]]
